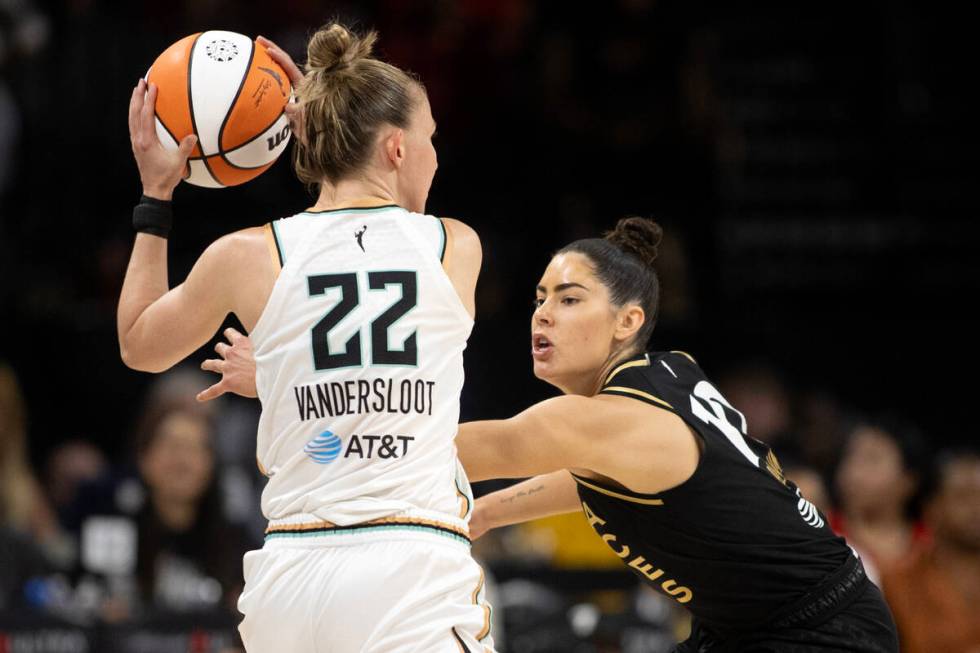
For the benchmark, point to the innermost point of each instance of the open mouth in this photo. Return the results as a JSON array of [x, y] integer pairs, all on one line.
[[540, 346]]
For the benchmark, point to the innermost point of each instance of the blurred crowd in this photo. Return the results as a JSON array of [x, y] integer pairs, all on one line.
[[162, 528], [796, 162]]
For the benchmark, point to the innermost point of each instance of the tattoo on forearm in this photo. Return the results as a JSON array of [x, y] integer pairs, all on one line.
[[522, 493]]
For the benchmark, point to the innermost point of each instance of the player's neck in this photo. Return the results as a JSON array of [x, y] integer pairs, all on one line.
[[354, 193], [615, 359]]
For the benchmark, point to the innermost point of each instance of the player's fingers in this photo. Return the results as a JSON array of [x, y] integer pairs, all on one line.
[[266, 43], [214, 391], [222, 349], [187, 144], [233, 336], [135, 105], [148, 130], [284, 60], [213, 365]]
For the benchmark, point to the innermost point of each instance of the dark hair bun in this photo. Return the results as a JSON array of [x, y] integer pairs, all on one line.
[[637, 236], [334, 48]]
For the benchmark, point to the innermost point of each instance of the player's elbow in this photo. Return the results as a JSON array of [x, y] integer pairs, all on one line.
[[131, 359], [136, 359]]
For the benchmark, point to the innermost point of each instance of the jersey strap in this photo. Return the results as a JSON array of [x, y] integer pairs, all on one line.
[[622, 383]]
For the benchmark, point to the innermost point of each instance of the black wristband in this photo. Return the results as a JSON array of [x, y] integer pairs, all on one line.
[[153, 216]]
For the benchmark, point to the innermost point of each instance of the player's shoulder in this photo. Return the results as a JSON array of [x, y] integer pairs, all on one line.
[[462, 253], [465, 238], [238, 245]]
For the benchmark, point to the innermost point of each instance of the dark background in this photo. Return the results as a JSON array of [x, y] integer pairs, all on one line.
[[811, 167]]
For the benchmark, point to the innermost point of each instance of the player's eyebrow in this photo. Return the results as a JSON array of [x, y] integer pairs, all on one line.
[[563, 286]]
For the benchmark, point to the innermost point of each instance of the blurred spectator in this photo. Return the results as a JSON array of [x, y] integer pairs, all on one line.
[[879, 483], [71, 465], [235, 422], [23, 507], [758, 391], [23, 33], [821, 430], [165, 544], [189, 555], [935, 594]]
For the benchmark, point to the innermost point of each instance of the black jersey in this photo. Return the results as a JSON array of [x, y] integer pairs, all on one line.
[[736, 541]]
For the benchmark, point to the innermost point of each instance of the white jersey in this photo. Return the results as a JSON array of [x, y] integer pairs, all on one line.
[[359, 368]]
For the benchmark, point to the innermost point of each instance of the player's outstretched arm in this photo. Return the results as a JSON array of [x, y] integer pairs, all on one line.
[[541, 496], [552, 435]]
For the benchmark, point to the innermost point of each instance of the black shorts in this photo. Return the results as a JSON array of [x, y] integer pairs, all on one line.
[[864, 626]]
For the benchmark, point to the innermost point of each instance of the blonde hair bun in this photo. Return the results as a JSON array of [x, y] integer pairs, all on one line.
[[334, 48]]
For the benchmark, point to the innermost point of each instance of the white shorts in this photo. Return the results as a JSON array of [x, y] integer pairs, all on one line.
[[365, 591]]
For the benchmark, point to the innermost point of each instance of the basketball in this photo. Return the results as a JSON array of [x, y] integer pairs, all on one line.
[[223, 87]]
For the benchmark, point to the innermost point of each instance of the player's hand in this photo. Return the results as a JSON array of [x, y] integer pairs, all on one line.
[[160, 169], [236, 367], [293, 110], [479, 524]]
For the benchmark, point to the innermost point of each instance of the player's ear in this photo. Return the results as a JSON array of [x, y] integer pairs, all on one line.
[[394, 147], [629, 320]]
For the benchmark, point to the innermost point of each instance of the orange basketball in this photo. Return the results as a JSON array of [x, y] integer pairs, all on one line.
[[223, 87]]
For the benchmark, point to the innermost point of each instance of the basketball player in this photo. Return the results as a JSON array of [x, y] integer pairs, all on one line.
[[662, 466], [664, 469], [358, 310]]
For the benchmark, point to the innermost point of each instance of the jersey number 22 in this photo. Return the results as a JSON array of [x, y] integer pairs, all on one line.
[[381, 351]]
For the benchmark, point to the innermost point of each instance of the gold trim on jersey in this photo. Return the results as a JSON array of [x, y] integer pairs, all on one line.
[[258, 463], [326, 526], [772, 464], [638, 393], [617, 495], [686, 355], [644, 362], [486, 609]]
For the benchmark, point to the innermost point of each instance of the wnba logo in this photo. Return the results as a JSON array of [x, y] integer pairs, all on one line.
[[324, 448]]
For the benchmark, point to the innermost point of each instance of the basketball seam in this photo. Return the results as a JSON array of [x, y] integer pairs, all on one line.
[[165, 128], [234, 101], [254, 138], [222, 152], [190, 102]]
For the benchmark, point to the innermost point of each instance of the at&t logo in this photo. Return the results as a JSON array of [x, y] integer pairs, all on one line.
[[324, 448]]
